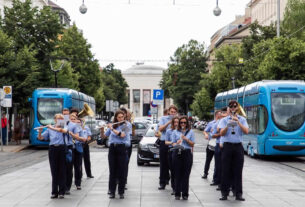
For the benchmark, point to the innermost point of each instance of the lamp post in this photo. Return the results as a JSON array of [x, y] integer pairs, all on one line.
[[56, 70], [83, 9], [234, 65], [217, 10]]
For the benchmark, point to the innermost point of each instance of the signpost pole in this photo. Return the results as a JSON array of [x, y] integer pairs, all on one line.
[[7, 126], [1, 125]]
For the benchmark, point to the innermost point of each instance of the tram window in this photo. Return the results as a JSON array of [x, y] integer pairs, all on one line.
[[262, 115]]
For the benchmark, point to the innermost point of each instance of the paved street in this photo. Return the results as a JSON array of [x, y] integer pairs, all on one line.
[[265, 184]]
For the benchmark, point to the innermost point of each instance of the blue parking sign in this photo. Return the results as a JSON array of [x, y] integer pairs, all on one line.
[[158, 94]]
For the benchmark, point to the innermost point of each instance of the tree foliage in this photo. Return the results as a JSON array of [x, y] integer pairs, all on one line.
[[115, 84], [181, 80], [202, 104]]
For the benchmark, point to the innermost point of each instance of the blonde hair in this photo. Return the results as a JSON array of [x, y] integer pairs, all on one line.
[[60, 116]]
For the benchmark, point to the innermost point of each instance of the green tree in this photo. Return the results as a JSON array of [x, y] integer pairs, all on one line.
[[75, 47], [115, 84], [294, 19], [202, 104], [181, 80], [284, 59], [36, 29], [18, 69]]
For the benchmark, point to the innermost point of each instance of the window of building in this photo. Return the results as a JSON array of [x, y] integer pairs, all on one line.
[[136, 96]]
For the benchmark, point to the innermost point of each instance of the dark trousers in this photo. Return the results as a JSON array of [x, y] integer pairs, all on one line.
[[87, 163], [164, 168], [171, 169], [232, 162], [117, 157], [77, 164], [128, 151], [182, 166], [69, 171], [4, 135], [58, 170], [217, 160], [208, 159]]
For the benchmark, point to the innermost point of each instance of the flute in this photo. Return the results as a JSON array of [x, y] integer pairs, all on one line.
[[104, 125]]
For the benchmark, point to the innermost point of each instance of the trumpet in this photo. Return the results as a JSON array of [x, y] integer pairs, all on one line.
[[42, 127]]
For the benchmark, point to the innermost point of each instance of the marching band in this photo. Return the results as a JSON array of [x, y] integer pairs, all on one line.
[[69, 145]]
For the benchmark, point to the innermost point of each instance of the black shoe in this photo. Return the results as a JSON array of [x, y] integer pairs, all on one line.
[[67, 192], [205, 176], [213, 184], [111, 195], [218, 188], [239, 198], [121, 196], [177, 197], [173, 192], [78, 187], [91, 176], [54, 196], [61, 196], [109, 192], [125, 188], [184, 197], [162, 187], [223, 198]]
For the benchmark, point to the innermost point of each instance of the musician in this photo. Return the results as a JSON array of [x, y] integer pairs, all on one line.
[[183, 157], [209, 152], [163, 126], [56, 155], [86, 154], [66, 114], [232, 128], [74, 130], [217, 153], [118, 141], [168, 142], [78, 152], [131, 129]]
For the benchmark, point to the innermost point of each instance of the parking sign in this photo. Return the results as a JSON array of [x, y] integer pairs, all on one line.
[[158, 96]]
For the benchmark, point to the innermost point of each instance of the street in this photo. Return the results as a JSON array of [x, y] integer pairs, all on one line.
[[268, 182]]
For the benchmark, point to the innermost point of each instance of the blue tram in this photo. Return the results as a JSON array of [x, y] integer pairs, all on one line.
[[46, 102], [275, 114]]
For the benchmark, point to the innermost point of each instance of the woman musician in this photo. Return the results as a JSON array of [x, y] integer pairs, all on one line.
[[56, 155], [117, 155], [183, 157]]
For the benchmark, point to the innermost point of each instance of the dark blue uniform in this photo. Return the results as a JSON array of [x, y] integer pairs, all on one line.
[[57, 160], [117, 158], [86, 153], [183, 161], [169, 134], [232, 156], [209, 153]]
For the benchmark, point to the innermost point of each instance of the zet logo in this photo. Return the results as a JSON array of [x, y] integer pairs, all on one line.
[[7, 90]]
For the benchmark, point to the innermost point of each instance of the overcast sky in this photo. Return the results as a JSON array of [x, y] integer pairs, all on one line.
[[147, 29]]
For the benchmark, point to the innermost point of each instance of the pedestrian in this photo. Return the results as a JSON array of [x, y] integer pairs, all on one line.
[[78, 152], [163, 126], [169, 143], [232, 128], [4, 128], [117, 136], [183, 138], [75, 129], [86, 154], [209, 151], [17, 131], [56, 155]]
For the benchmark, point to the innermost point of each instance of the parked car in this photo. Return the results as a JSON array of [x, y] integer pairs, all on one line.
[[140, 130], [148, 151], [201, 126], [100, 140]]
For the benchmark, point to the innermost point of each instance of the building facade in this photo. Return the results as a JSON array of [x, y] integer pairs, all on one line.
[[8, 3], [142, 80], [265, 11]]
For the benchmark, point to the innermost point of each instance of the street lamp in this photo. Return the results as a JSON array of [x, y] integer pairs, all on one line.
[[83, 9], [57, 70], [217, 10], [241, 63]]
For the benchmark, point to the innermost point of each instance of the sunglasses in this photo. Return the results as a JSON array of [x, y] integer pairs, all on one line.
[[233, 106], [182, 122]]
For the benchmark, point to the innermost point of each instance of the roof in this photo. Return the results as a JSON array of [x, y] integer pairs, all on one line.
[[144, 70]]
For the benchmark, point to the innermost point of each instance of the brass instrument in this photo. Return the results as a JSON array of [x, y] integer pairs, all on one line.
[[104, 125], [87, 111]]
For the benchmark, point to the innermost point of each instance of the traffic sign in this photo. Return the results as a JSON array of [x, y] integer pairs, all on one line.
[[154, 110], [158, 96], [7, 100]]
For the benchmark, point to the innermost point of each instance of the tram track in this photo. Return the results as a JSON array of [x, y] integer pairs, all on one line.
[[296, 163]]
